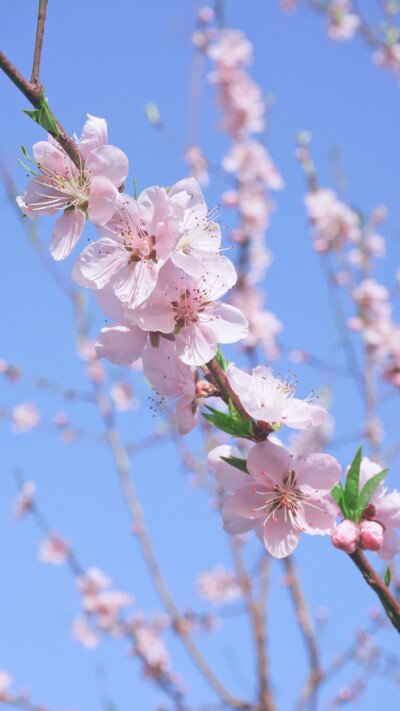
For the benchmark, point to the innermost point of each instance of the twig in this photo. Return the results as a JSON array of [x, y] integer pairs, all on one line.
[[39, 42], [136, 512], [257, 618], [307, 628], [392, 607]]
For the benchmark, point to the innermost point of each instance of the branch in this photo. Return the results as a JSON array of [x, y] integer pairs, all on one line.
[[39, 42], [392, 607], [136, 512]]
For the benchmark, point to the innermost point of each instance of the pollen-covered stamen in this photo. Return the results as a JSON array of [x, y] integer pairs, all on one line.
[[133, 234], [198, 231], [72, 188], [285, 497], [281, 391]]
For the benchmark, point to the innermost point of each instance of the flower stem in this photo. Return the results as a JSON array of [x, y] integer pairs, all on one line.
[[392, 607]]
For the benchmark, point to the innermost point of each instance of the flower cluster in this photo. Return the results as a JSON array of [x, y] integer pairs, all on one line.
[[156, 270]]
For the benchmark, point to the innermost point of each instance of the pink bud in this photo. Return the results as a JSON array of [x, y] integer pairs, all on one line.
[[345, 536], [371, 535], [205, 14]]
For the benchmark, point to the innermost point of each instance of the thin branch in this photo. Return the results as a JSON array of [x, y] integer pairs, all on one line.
[[307, 628], [258, 622], [136, 512], [39, 41], [392, 607]]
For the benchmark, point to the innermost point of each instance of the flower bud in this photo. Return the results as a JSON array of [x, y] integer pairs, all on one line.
[[371, 538], [345, 536]]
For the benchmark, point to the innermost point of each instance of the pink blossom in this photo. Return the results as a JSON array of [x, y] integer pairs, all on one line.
[[175, 382], [122, 396], [346, 536], [371, 535], [263, 325], [5, 682], [93, 581], [343, 24], [251, 161], [218, 585], [280, 501], [151, 647], [388, 57], [84, 634], [107, 606], [24, 499], [198, 165], [189, 308], [90, 191], [271, 400], [122, 342], [135, 243], [24, 417], [231, 51], [335, 223], [53, 550], [205, 14]]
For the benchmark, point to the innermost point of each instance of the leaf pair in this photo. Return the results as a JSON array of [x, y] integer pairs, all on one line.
[[43, 116], [351, 501], [232, 423]]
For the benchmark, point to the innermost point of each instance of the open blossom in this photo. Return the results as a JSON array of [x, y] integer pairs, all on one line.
[[84, 634], [53, 550], [122, 342], [123, 397], [24, 417], [93, 581], [271, 400], [151, 646], [135, 243], [175, 383], [89, 191], [231, 50], [251, 161], [343, 23], [190, 309], [218, 585], [388, 57], [335, 223], [106, 605], [279, 500]]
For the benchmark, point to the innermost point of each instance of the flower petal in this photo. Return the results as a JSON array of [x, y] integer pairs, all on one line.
[[317, 472], [247, 503], [66, 232], [227, 476], [280, 538], [273, 459], [109, 162], [120, 344], [98, 262], [94, 134], [102, 200], [317, 515]]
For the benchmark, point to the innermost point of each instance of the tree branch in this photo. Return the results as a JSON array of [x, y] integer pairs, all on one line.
[[392, 607], [39, 42]]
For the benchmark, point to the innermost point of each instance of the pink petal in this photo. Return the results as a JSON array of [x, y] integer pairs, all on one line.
[[317, 472], [196, 343], [51, 158], [94, 134], [102, 200], [110, 305], [247, 503], [301, 415], [233, 523], [135, 283], [109, 162], [166, 372], [66, 232], [280, 538], [229, 324], [186, 419], [227, 476], [387, 509], [317, 515], [98, 262], [272, 459], [120, 344], [391, 545]]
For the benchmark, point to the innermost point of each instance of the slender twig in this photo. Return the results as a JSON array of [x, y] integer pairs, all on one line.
[[39, 41], [307, 628], [136, 512], [258, 623], [391, 605]]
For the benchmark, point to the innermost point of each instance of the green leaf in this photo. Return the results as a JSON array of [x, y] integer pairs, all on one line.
[[235, 426], [350, 496], [167, 189], [338, 494], [388, 577], [43, 116], [223, 364], [237, 462], [26, 154], [368, 489], [26, 167]]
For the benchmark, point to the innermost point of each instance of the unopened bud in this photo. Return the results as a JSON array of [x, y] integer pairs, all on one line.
[[371, 538], [345, 536]]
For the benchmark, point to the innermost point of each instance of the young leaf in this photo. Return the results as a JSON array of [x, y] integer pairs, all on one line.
[[388, 577], [368, 489], [26, 154], [43, 116], [231, 425], [237, 462], [350, 496], [26, 167], [338, 494], [223, 364]]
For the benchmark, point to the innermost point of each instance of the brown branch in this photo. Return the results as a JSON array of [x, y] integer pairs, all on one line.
[[39, 42], [392, 607], [32, 92], [261, 430], [136, 512], [257, 617], [305, 621]]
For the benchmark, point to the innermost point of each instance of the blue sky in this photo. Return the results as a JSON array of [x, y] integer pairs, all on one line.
[[110, 59]]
